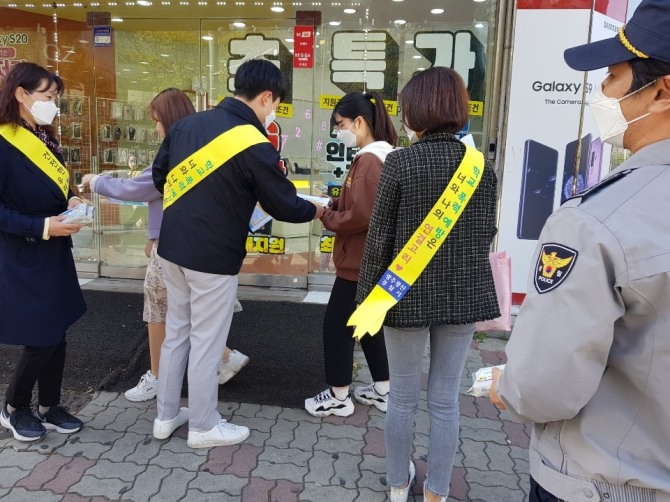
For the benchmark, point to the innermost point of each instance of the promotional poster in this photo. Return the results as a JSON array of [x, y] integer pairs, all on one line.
[[547, 158]]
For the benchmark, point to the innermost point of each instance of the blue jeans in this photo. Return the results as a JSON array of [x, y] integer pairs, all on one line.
[[405, 348]]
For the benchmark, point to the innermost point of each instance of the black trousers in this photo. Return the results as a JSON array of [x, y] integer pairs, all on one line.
[[539, 494], [338, 341], [43, 365]]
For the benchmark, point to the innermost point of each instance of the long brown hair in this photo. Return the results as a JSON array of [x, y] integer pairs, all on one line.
[[169, 106], [28, 76]]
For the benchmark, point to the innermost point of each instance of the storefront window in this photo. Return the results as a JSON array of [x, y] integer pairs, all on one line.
[[115, 61]]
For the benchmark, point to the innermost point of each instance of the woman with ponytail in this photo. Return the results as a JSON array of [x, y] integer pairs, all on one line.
[[361, 121]]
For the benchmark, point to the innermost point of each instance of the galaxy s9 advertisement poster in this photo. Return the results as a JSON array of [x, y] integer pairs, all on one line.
[[551, 154]]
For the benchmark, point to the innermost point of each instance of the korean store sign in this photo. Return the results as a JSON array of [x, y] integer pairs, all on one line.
[[303, 47]]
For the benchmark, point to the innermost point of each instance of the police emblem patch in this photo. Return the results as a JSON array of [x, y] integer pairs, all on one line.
[[553, 266]]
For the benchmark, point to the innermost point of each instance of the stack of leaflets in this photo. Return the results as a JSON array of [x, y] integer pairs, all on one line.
[[260, 217], [81, 214]]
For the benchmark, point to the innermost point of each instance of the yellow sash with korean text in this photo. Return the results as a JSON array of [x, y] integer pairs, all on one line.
[[38, 153], [421, 247], [205, 161]]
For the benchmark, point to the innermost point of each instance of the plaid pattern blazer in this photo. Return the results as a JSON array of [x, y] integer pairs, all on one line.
[[457, 285]]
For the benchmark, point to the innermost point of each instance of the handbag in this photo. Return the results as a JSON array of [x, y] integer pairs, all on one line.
[[501, 267]]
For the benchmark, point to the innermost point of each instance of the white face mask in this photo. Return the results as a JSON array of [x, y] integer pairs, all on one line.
[[270, 117], [43, 112], [413, 138], [609, 117], [346, 137]]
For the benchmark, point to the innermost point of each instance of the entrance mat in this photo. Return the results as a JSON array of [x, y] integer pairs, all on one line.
[[108, 350]]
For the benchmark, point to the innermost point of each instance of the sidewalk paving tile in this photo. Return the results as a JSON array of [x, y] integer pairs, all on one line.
[[289, 456]]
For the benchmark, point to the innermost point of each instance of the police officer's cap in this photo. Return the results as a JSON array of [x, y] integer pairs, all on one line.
[[646, 35]]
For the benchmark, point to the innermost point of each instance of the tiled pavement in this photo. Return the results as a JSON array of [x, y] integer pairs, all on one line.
[[289, 456]]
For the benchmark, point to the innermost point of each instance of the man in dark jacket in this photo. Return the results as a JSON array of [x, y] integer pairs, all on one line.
[[213, 167]]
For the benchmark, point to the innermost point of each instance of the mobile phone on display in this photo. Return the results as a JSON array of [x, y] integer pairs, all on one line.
[[595, 164], [569, 167], [538, 186]]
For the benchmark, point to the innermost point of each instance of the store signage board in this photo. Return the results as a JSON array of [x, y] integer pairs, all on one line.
[[303, 47], [102, 36]]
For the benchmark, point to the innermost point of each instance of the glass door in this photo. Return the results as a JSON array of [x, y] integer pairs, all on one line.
[[277, 253]]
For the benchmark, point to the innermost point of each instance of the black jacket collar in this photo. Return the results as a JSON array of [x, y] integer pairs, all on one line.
[[242, 110]]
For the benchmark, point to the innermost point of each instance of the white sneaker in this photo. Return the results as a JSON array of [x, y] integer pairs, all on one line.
[[326, 403], [163, 429], [368, 395], [238, 307], [145, 390], [228, 369], [222, 434], [402, 494]]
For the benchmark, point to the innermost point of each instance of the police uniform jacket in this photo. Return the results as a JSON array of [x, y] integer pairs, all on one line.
[[39, 291], [589, 357], [457, 285], [207, 227]]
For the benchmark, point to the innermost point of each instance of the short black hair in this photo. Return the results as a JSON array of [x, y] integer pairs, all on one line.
[[259, 75], [645, 71]]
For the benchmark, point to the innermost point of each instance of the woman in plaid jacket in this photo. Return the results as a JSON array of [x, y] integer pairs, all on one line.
[[454, 291]]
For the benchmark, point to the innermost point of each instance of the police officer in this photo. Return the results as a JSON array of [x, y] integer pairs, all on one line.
[[589, 358]]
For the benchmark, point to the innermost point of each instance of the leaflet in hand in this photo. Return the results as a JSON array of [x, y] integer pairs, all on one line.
[[258, 218], [321, 201], [81, 214]]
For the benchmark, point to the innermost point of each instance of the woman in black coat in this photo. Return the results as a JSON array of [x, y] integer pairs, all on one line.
[[454, 291], [39, 291]]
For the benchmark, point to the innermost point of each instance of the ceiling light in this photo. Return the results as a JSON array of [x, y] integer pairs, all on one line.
[[143, 3], [350, 11], [420, 69], [399, 21], [117, 20], [334, 23], [409, 41], [165, 55], [478, 1], [479, 25], [289, 40], [416, 57], [398, 0], [144, 62], [437, 11], [277, 8], [239, 24], [207, 37]]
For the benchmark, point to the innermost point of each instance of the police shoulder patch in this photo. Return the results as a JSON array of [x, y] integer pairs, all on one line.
[[554, 263]]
